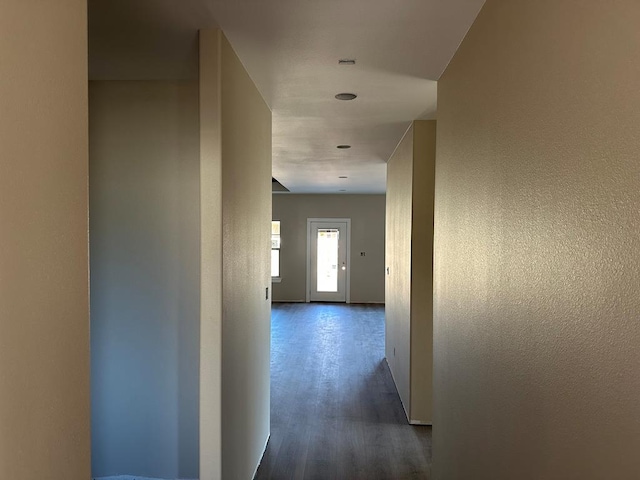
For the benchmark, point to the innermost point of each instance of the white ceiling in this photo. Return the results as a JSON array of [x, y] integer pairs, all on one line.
[[291, 50]]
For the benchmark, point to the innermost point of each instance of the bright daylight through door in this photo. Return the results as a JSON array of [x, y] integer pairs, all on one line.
[[327, 265], [327, 259]]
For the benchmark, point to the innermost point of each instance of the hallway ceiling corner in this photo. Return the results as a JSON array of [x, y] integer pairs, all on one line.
[[291, 50]]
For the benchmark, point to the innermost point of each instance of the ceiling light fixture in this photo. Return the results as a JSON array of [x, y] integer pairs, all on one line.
[[346, 96], [343, 147], [347, 61]]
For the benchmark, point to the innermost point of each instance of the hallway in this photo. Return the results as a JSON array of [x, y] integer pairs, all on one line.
[[335, 412]]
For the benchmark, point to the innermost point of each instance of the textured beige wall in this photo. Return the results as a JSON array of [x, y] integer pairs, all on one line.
[[367, 235], [246, 229], [537, 245], [145, 277], [44, 313], [398, 261], [424, 162], [235, 173], [210, 257], [409, 254]]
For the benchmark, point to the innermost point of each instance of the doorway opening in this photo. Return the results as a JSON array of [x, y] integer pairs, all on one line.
[[328, 254]]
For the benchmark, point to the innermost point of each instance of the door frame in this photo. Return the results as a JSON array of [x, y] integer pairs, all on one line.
[[348, 255]]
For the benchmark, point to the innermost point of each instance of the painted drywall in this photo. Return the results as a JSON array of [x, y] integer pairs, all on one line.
[[145, 274], [398, 263], [210, 257], [409, 259], [537, 253], [235, 163], [44, 311], [246, 271], [367, 213], [424, 163]]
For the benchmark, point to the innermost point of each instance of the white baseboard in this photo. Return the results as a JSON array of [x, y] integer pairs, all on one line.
[[134, 477], [261, 456], [406, 413], [395, 384], [421, 422], [304, 301]]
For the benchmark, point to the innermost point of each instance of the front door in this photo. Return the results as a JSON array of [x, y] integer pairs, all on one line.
[[328, 274]]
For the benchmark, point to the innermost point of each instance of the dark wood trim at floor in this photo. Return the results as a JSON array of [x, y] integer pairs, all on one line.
[[335, 411]]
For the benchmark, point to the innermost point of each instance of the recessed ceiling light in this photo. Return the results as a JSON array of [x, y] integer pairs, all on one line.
[[343, 146], [347, 61], [346, 96], [343, 176]]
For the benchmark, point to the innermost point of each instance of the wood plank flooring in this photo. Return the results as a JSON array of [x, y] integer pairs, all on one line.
[[335, 412]]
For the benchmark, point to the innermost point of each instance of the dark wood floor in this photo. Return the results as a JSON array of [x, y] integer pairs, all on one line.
[[335, 412]]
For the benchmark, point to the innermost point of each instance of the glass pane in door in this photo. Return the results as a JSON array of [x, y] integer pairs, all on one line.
[[275, 263], [327, 280]]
